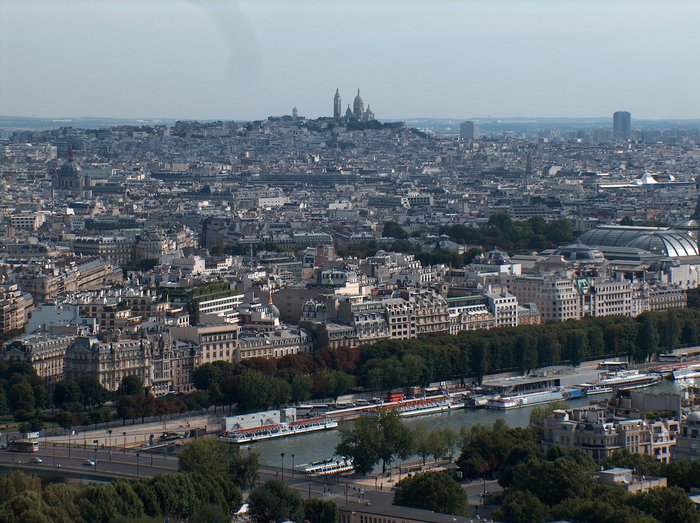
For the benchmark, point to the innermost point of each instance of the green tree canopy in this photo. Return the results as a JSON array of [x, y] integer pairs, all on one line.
[[383, 438], [274, 501], [435, 491], [318, 510], [220, 459]]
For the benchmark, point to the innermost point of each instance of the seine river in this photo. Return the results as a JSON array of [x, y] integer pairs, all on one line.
[[320, 445]]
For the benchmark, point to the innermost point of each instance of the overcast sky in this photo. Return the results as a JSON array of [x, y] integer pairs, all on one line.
[[246, 60]]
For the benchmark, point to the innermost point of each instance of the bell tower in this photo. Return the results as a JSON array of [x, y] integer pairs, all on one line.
[[337, 105]]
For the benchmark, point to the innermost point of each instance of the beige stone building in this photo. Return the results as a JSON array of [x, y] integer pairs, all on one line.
[[688, 439], [110, 361], [599, 433], [217, 342], [45, 353], [15, 307]]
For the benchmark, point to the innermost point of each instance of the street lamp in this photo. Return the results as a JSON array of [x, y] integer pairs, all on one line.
[[292, 464], [137, 464], [110, 437], [96, 442], [70, 431], [282, 456], [54, 455], [124, 433]]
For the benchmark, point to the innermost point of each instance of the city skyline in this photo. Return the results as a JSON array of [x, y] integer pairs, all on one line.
[[247, 60]]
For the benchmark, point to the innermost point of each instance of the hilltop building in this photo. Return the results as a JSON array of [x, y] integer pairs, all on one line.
[[358, 111]]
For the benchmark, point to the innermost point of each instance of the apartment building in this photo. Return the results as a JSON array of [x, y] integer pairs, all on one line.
[[216, 342], [15, 307], [600, 433], [687, 446], [43, 352], [109, 361], [555, 295]]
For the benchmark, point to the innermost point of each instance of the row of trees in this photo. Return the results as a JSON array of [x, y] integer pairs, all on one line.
[[474, 354], [208, 488], [384, 438], [261, 383], [506, 234], [196, 497]]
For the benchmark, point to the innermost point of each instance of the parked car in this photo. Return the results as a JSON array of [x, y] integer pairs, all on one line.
[[35, 459]]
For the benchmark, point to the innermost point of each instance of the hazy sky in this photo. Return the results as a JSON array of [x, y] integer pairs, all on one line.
[[430, 58]]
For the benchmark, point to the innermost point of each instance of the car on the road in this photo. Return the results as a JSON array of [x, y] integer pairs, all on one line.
[[89, 463], [35, 459]]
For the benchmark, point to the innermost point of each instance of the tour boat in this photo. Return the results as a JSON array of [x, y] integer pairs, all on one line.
[[420, 406], [687, 372], [279, 430], [326, 467], [524, 399], [623, 380]]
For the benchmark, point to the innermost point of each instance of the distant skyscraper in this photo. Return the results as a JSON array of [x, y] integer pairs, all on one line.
[[622, 123], [469, 130], [337, 105]]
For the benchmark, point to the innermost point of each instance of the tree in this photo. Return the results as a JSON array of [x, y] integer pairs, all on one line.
[[92, 392], [359, 443], [27, 506], [421, 440], [21, 399], [255, 391], [521, 506], [61, 500], [648, 338], [220, 459], [67, 391], [274, 501], [552, 481], [301, 387], [441, 442], [394, 230], [129, 407], [539, 414], [668, 505], [321, 511], [209, 514], [435, 491], [396, 440], [131, 386], [383, 438], [99, 503]]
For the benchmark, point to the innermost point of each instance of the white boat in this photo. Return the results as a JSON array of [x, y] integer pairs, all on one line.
[[524, 399], [421, 406], [596, 388], [278, 430], [326, 467], [687, 372], [623, 380]]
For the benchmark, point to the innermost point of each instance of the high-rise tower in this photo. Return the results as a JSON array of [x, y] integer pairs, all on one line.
[[337, 106], [622, 123]]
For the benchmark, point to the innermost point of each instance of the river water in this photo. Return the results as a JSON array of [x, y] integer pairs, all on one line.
[[320, 445]]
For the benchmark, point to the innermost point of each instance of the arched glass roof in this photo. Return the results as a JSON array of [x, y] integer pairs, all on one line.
[[661, 241]]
